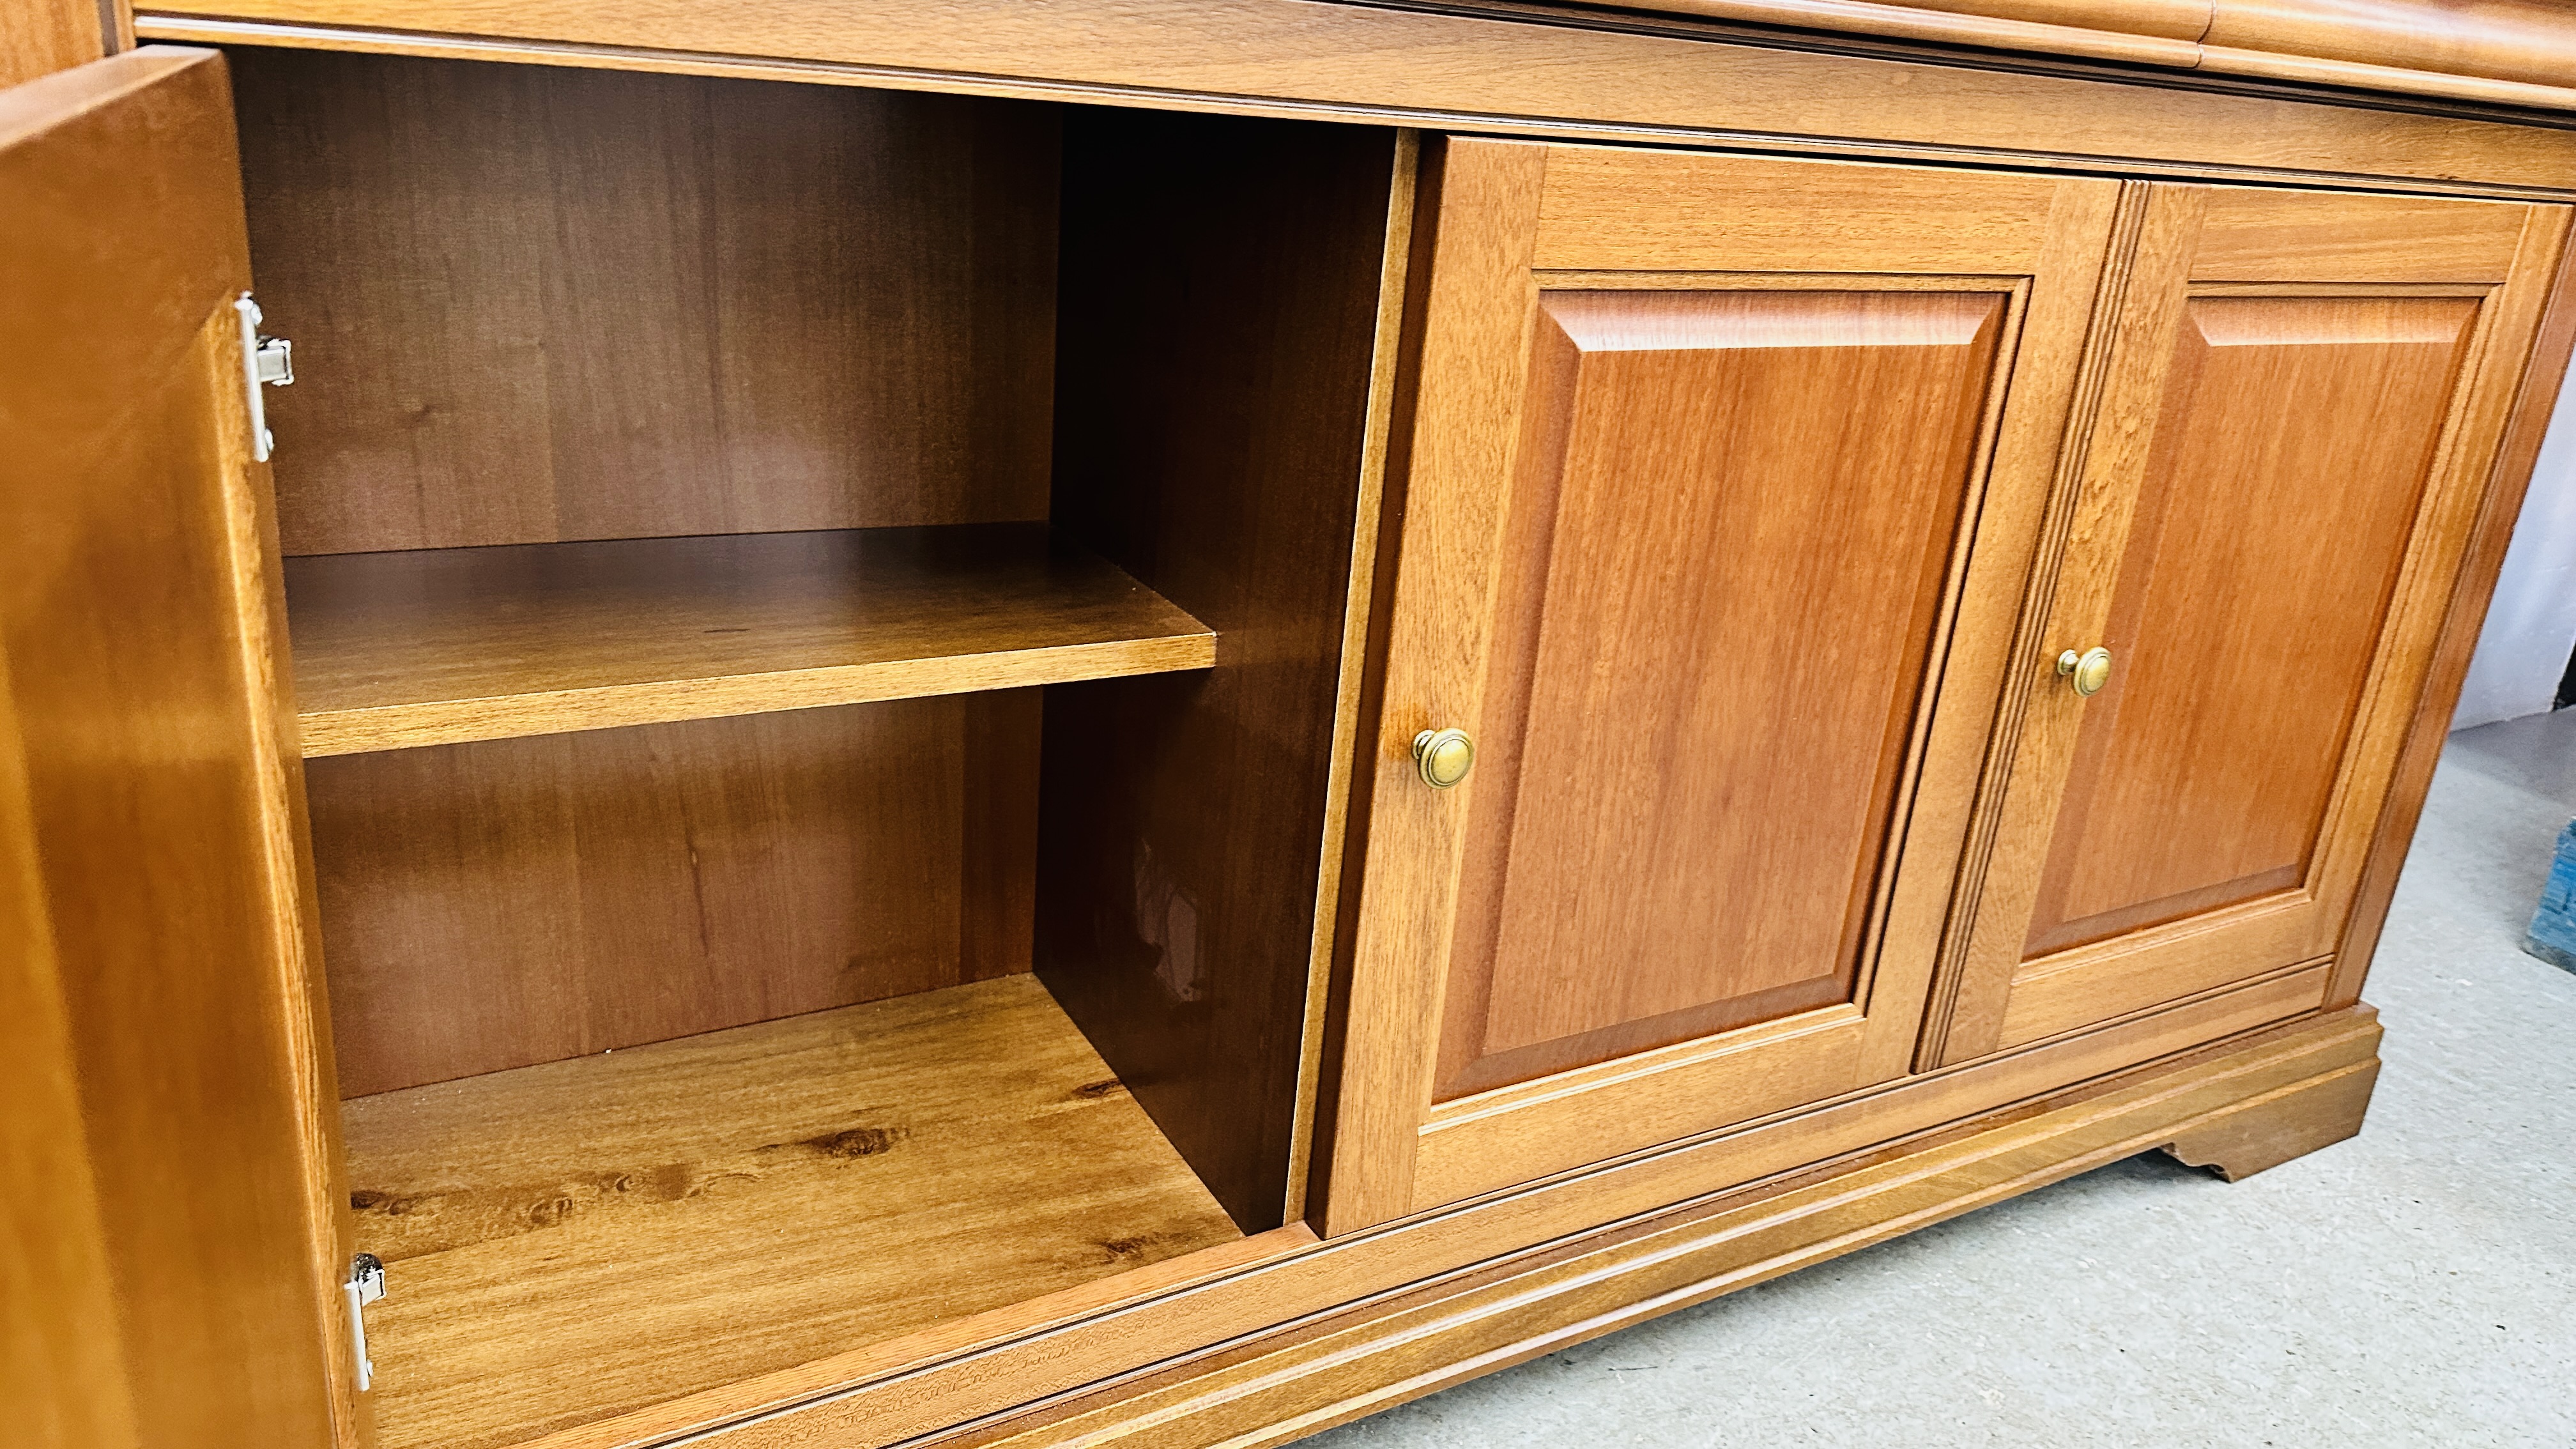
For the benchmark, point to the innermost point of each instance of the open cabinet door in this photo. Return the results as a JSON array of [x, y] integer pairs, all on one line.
[[170, 1258]]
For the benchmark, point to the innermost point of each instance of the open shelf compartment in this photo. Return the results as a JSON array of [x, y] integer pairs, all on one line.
[[798, 881]]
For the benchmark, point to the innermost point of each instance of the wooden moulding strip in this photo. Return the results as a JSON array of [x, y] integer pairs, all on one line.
[[1360, 598], [2404, 47], [442, 646], [2150, 32], [1311, 1376], [1522, 71], [1057, 1347]]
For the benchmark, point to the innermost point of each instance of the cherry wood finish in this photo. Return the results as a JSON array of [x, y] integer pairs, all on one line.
[[2298, 428], [2517, 40], [540, 305], [2270, 522], [1303, 1292], [1661, 847], [1042, 1352], [1332, 1368], [1666, 474], [39, 37], [2511, 52], [563, 1242], [1500, 66], [63, 1377], [2285, 1123], [148, 774], [499, 904], [2137, 32], [1220, 311], [790, 828], [394, 650], [2534, 404]]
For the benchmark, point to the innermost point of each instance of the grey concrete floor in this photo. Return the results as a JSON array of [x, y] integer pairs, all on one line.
[[2415, 1285]]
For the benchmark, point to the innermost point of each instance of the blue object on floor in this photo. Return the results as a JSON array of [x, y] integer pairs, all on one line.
[[2553, 926]]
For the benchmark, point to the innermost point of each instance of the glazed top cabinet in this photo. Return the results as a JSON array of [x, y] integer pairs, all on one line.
[[879, 759]]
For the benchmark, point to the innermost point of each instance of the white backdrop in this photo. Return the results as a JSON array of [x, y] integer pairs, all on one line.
[[2531, 627]]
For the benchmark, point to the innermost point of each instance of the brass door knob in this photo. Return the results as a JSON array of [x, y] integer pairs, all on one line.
[[1443, 756], [2086, 672]]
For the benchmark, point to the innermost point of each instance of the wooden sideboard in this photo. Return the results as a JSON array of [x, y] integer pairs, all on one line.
[[1153, 723]]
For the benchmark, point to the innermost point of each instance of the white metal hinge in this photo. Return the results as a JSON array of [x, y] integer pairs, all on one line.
[[265, 360], [365, 1285]]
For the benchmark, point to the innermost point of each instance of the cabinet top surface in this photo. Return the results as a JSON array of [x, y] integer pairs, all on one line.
[[2452, 94]]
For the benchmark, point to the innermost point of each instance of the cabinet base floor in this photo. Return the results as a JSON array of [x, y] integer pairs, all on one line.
[[568, 1241]]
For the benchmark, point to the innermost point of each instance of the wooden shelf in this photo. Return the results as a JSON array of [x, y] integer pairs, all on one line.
[[438, 646], [568, 1241]]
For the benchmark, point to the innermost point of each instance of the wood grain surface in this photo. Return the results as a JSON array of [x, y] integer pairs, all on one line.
[[499, 904], [2136, 32], [567, 1241], [1220, 310], [140, 651], [2254, 236], [1619, 209], [1660, 683], [395, 650], [2291, 1091], [63, 1374], [533, 305], [39, 37], [2307, 442], [2505, 51], [1700, 575], [2515, 40], [1122, 1355], [977, 1368], [2535, 401], [1659, 78], [2298, 433], [2281, 1125]]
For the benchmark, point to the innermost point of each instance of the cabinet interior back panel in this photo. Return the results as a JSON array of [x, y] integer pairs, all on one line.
[[533, 304], [510, 902]]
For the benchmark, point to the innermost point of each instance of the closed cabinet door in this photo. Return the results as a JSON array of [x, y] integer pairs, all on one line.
[[1684, 586], [2299, 413]]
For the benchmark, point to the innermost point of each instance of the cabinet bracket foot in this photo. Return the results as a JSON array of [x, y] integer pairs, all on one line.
[[2269, 1130]]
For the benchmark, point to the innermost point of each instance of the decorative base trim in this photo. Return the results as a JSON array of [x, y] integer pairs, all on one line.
[[2287, 1122], [2241, 1109]]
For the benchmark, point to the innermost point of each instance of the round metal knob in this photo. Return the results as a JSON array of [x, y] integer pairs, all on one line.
[[1443, 756], [2086, 672]]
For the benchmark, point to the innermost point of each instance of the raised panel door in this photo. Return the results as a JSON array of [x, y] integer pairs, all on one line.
[[1699, 448], [2301, 412], [1728, 545]]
